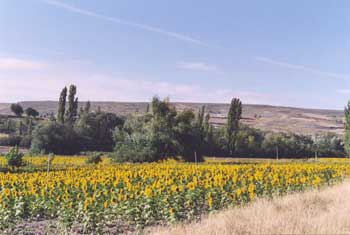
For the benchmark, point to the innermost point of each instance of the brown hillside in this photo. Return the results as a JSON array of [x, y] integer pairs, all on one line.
[[265, 117]]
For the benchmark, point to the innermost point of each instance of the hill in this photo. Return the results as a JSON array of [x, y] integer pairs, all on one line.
[[265, 117]]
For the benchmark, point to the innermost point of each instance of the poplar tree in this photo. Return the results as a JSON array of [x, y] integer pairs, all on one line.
[[200, 116], [233, 118], [206, 124], [72, 110], [20, 128], [347, 129], [30, 127], [87, 107], [62, 105]]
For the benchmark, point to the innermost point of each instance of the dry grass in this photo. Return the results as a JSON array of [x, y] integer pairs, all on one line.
[[265, 117], [315, 212]]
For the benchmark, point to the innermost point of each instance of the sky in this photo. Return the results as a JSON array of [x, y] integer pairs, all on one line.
[[288, 53]]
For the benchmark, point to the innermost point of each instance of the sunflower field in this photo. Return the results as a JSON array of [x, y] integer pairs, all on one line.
[[146, 194]]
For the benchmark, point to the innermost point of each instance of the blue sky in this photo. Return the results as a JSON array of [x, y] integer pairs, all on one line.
[[290, 53]]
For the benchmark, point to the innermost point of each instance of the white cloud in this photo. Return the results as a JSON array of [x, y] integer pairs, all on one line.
[[196, 66], [101, 87], [145, 27], [9, 63], [300, 67], [343, 91]]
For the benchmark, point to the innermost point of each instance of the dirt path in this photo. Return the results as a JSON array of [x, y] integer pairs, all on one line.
[[315, 212]]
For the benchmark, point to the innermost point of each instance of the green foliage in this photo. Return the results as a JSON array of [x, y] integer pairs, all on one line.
[[25, 141], [233, 118], [14, 158], [30, 112], [97, 129], [347, 129], [161, 135], [11, 140], [135, 147], [72, 110], [87, 107], [329, 144], [29, 126], [62, 106], [56, 138], [17, 109], [94, 158], [189, 134], [248, 142], [8, 125]]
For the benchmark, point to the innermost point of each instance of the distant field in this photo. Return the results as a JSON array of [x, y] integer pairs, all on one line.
[[2, 135], [5, 149], [265, 117]]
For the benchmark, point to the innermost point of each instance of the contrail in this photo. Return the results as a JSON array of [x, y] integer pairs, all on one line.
[[300, 67], [145, 27]]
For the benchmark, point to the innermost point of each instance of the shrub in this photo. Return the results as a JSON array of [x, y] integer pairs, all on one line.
[[97, 130], [11, 140], [25, 141], [56, 138], [14, 158], [17, 109], [136, 147], [31, 112], [94, 158]]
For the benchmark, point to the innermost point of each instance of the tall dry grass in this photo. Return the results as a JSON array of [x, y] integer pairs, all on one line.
[[314, 212]]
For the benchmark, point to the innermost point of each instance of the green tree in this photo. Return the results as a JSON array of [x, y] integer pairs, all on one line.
[[134, 147], [97, 130], [20, 128], [206, 124], [189, 136], [329, 144], [200, 117], [30, 112], [72, 110], [275, 144], [62, 106], [347, 129], [30, 127], [233, 118], [87, 107], [164, 133], [14, 157], [57, 138], [161, 128], [17, 109]]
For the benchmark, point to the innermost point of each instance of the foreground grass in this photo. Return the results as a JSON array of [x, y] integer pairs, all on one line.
[[313, 212]]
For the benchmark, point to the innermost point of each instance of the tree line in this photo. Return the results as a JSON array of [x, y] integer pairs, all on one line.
[[160, 133]]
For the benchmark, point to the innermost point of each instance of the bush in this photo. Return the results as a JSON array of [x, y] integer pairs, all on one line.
[[56, 138], [94, 158], [14, 158], [11, 140], [31, 112], [133, 148], [26, 141], [97, 130], [17, 109]]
